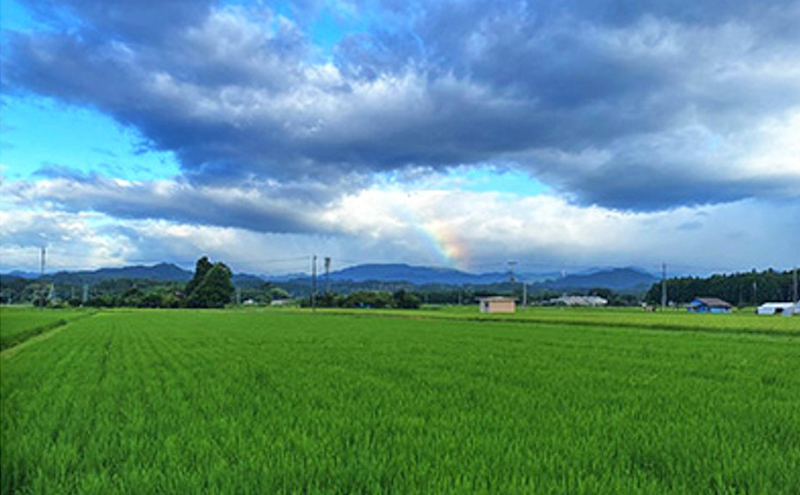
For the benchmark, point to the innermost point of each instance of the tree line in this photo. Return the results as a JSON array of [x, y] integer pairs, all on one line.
[[400, 299], [210, 287], [741, 289]]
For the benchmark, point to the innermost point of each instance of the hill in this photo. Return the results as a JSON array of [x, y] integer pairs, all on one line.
[[162, 272], [418, 275], [615, 278]]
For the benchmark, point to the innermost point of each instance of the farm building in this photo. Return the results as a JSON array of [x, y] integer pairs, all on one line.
[[779, 308], [708, 305], [497, 304], [775, 308]]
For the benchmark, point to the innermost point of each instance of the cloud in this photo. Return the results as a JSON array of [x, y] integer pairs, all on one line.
[[643, 106], [470, 229], [76, 237], [257, 206], [477, 231]]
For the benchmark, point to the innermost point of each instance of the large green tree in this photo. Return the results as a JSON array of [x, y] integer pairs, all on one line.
[[214, 289], [201, 268]]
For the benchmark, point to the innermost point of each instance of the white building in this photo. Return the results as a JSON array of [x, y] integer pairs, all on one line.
[[776, 308], [579, 301]]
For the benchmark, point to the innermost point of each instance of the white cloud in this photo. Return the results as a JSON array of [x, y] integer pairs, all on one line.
[[470, 230]]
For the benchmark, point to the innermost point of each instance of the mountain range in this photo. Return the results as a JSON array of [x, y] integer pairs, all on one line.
[[162, 272], [612, 278]]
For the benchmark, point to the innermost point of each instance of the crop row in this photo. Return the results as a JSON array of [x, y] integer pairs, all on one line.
[[605, 317], [232, 402]]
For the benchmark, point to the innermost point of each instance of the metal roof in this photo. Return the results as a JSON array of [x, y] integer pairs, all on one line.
[[711, 302], [497, 298]]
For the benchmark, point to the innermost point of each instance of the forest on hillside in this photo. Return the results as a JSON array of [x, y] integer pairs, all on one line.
[[740, 289]]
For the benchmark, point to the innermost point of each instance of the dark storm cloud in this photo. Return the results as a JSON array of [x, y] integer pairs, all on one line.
[[241, 95], [261, 207]]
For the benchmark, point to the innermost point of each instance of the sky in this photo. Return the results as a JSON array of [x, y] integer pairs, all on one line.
[[466, 134]]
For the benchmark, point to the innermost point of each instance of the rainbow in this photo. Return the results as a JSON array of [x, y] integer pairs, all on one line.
[[439, 236], [450, 249]]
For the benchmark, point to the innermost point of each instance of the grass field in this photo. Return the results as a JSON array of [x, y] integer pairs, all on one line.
[[18, 324], [290, 402], [743, 322]]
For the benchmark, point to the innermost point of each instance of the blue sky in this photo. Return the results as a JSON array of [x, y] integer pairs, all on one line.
[[41, 134], [460, 133], [13, 15]]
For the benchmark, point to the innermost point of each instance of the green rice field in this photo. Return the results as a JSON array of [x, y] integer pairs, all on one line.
[[434, 401], [18, 324]]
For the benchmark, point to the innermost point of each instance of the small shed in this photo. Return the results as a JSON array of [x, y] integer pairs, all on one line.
[[775, 308], [709, 305], [497, 304]]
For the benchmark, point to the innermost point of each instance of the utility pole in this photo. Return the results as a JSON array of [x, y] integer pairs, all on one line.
[[663, 285], [327, 275], [755, 292], [524, 294], [511, 265], [314, 282], [85, 293], [41, 277]]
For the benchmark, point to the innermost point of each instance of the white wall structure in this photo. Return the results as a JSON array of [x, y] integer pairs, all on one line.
[[773, 308]]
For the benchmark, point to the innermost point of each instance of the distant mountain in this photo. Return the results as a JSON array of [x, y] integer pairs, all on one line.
[[163, 272], [422, 275], [246, 280], [285, 277], [20, 274], [418, 275], [615, 278]]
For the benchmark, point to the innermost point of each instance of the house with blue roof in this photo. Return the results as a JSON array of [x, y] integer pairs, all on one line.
[[708, 305]]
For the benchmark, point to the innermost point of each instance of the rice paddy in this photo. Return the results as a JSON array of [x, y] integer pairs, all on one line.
[[18, 324], [155, 401]]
